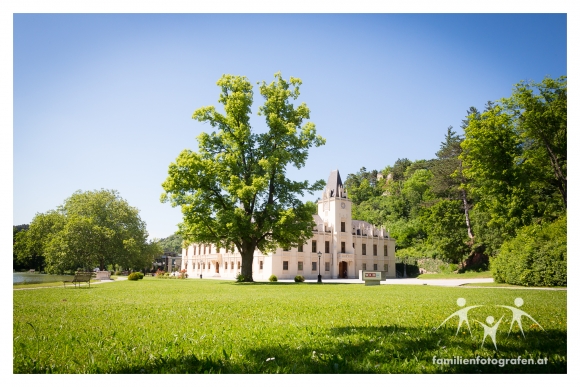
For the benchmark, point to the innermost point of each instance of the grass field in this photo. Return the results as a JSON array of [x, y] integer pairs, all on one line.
[[469, 274], [503, 285], [208, 326]]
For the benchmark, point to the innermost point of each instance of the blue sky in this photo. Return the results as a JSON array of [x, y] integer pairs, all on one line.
[[105, 100]]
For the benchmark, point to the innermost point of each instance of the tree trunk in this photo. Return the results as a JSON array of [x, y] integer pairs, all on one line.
[[465, 205], [466, 210], [247, 263]]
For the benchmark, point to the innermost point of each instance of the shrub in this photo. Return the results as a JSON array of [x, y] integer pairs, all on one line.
[[298, 278], [141, 275], [273, 278], [535, 257], [240, 277], [134, 277]]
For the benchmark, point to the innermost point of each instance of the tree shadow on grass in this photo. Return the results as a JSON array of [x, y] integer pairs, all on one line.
[[373, 350]]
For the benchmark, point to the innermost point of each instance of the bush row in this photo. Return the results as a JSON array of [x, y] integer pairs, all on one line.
[[537, 256]]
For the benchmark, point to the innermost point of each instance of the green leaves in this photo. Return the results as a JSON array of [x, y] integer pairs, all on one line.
[[92, 228], [233, 190], [515, 155]]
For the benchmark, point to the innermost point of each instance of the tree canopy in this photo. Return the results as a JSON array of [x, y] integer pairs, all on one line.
[[91, 229], [505, 172], [234, 191], [172, 244]]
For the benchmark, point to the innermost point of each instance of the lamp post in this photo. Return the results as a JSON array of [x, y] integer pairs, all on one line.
[[319, 276]]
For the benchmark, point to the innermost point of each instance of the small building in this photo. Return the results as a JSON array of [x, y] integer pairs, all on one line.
[[348, 246], [167, 262]]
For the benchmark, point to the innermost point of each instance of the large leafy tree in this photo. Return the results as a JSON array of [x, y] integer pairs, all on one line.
[[539, 112], [445, 224], [92, 228], [515, 158], [234, 191], [448, 180], [499, 179]]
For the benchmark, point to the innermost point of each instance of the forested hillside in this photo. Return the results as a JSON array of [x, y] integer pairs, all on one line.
[[497, 184], [172, 243]]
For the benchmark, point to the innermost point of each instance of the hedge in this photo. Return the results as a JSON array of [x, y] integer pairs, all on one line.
[[537, 256]]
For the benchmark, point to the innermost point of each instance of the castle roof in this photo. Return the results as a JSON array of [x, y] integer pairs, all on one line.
[[334, 187]]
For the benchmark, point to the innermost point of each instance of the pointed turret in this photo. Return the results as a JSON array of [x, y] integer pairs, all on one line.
[[334, 185]]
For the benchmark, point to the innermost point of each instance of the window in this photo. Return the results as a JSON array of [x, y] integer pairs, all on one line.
[[285, 265], [301, 249], [239, 265], [193, 250], [208, 266], [226, 266], [231, 265], [374, 266], [209, 248], [364, 249], [327, 247], [313, 246], [326, 266], [386, 267], [204, 266], [198, 265], [385, 251], [364, 266], [261, 265], [313, 266], [342, 226], [343, 247], [374, 250], [300, 266], [204, 249]]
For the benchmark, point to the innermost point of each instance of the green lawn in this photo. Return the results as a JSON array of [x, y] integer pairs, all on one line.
[[197, 326], [469, 274], [503, 285]]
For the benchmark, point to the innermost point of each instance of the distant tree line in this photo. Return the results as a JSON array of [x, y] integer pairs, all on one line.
[[497, 186], [172, 244], [91, 229]]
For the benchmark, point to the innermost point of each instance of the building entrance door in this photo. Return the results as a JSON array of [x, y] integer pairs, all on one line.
[[343, 269]]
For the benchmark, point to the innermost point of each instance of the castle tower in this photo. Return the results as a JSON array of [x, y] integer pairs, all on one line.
[[335, 210]]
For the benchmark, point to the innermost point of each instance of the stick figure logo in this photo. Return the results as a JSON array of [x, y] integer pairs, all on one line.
[[462, 314], [518, 314], [489, 329]]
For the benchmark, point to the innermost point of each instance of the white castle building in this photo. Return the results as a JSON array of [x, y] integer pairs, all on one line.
[[347, 247]]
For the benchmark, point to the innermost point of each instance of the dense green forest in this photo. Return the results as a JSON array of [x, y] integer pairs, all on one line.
[[497, 190], [172, 244]]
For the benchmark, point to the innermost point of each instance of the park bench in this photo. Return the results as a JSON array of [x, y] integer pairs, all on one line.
[[80, 277]]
